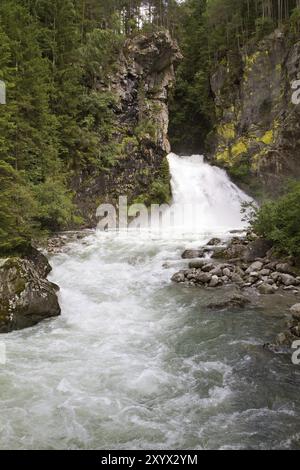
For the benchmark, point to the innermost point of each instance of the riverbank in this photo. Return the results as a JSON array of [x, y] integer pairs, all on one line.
[[249, 269]]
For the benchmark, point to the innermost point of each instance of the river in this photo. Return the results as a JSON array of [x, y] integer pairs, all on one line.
[[135, 362]]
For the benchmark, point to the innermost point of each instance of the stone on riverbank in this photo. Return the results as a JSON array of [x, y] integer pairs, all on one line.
[[263, 274], [26, 296], [190, 254], [233, 301], [295, 311]]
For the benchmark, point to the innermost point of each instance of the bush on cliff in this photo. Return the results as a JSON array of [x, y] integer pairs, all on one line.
[[279, 221]]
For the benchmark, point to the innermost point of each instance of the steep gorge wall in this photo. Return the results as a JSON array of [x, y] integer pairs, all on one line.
[[258, 133], [141, 84]]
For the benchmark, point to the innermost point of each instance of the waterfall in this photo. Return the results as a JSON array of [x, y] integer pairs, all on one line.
[[204, 197]]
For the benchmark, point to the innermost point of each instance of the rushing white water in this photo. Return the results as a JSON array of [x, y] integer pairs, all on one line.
[[135, 362], [210, 201]]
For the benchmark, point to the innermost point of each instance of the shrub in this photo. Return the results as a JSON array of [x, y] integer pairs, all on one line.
[[55, 207], [279, 221]]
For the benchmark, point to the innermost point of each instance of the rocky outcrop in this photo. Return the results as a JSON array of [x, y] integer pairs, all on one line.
[[140, 85], [258, 132], [26, 296], [248, 264]]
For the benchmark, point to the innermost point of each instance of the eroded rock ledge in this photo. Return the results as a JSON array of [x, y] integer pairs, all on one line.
[[26, 296]]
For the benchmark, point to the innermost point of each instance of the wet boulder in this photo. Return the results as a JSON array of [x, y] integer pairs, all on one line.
[[288, 280], [214, 242], [197, 263], [190, 254], [266, 289], [257, 249], [230, 301], [295, 311], [26, 296]]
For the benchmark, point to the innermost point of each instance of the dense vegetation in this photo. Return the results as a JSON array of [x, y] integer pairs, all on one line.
[[52, 55], [279, 222], [210, 32], [56, 121]]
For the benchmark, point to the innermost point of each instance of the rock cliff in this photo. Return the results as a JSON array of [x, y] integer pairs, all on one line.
[[141, 84], [258, 132]]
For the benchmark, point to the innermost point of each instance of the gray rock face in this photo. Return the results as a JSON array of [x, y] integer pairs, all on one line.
[[26, 297], [141, 83], [259, 124]]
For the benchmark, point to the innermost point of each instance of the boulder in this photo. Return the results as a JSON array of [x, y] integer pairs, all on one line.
[[214, 242], [190, 254], [40, 261], [179, 277], [285, 268], [208, 267], [217, 272], [275, 276], [236, 250], [265, 272], [204, 278], [233, 301], [215, 281], [197, 263], [266, 289], [257, 249], [256, 266], [26, 296], [236, 278], [295, 311], [227, 272], [272, 265], [288, 280]]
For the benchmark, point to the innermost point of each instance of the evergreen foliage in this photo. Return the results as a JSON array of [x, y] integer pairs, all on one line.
[[55, 55]]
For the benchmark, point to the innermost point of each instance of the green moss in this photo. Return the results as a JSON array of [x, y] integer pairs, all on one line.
[[223, 155], [268, 137], [227, 131], [250, 61], [239, 148]]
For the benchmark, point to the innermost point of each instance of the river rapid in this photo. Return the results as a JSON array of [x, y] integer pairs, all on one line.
[[136, 362]]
